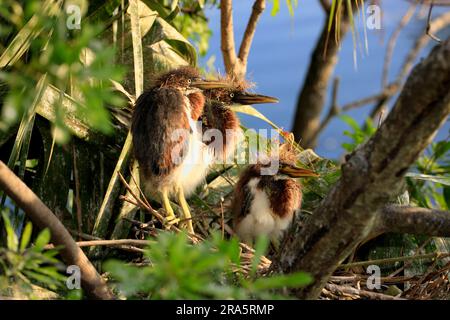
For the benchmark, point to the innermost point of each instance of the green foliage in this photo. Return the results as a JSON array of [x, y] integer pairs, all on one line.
[[208, 270], [74, 62], [291, 5], [359, 134], [429, 181], [24, 268]]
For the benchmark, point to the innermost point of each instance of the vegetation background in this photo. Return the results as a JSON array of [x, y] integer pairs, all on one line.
[[66, 94]]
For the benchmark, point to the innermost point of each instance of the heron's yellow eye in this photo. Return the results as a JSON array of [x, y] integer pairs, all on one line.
[[231, 95], [189, 81]]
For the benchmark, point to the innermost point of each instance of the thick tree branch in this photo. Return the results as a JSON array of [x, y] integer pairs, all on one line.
[[42, 217], [371, 175], [227, 34], [311, 100], [413, 220], [236, 65]]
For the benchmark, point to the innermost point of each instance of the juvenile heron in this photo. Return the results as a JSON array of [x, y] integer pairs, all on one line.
[[166, 138], [218, 115], [266, 204]]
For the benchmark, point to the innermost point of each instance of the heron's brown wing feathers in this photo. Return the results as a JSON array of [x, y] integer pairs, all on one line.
[[157, 118]]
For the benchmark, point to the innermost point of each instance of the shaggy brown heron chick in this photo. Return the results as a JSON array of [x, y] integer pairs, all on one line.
[[218, 115], [166, 137], [266, 204]]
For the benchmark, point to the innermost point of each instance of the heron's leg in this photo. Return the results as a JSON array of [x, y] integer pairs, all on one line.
[[185, 208], [170, 215]]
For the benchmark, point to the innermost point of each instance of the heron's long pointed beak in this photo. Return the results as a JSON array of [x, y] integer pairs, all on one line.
[[210, 84], [253, 98], [297, 172]]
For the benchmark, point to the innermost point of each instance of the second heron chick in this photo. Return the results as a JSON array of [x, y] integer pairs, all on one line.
[[265, 205], [219, 121]]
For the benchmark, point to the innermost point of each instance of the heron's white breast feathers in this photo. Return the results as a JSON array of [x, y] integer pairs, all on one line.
[[261, 219]]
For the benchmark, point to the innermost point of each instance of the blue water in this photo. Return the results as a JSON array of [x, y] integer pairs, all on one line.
[[280, 54]]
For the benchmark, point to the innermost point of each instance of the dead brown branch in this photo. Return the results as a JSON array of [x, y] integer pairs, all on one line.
[[43, 217], [236, 65]]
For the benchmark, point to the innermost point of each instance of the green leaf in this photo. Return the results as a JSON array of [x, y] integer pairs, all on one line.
[[26, 125], [351, 122], [295, 280], [103, 12], [137, 48], [260, 248], [445, 180], [26, 235], [11, 238], [22, 41], [446, 193], [162, 30], [158, 7], [290, 7], [275, 8], [246, 109], [42, 240], [332, 12]]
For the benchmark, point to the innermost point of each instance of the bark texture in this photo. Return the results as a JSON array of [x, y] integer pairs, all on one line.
[[371, 174], [311, 100]]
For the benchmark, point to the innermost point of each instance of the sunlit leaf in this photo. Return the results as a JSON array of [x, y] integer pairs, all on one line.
[[445, 180], [11, 238], [42, 240], [26, 235]]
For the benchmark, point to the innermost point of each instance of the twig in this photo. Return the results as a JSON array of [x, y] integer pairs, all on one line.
[[407, 264], [393, 40], [432, 36], [380, 99], [83, 235], [334, 109], [108, 243], [257, 10], [43, 217], [77, 191], [139, 202], [339, 290], [435, 255], [387, 91], [436, 25], [124, 244]]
